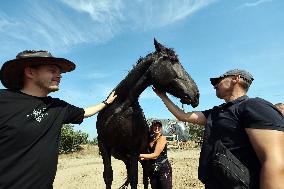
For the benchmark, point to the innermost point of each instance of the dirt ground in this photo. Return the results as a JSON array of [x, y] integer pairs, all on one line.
[[84, 170]]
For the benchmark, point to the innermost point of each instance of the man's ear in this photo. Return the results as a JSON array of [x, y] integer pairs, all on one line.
[[28, 72], [236, 79]]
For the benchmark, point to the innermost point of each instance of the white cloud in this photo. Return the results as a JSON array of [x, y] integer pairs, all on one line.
[[137, 14], [53, 31], [40, 28], [4, 22], [157, 14], [256, 3], [106, 11], [55, 26]]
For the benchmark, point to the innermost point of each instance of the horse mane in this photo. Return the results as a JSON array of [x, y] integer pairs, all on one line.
[[140, 69], [170, 54], [133, 76]]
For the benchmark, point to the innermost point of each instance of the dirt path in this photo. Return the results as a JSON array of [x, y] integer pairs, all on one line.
[[84, 170]]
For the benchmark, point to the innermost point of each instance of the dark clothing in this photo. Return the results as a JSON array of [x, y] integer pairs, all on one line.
[[228, 123], [162, 179], [29, 138], [163, 155], [161, 170]]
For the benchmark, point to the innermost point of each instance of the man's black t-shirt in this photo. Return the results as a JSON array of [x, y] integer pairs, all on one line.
[[228, 123], [29, 138]]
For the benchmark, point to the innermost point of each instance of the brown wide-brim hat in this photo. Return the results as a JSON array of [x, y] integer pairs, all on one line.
[[11, 73]]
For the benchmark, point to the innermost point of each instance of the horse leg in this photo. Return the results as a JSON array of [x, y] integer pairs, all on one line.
[[133, 171], [126, 183], [108, 172], [145, 166]]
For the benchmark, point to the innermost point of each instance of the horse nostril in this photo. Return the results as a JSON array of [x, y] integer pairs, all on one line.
[[195, 102]]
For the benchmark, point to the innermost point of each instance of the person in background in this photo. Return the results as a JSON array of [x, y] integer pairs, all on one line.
[[31, 121], [161, 170], [280, 107], [251, 128]]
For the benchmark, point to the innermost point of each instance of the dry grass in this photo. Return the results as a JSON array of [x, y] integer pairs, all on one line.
[[84, 170]]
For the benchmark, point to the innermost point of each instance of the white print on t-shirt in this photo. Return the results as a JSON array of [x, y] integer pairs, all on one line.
[[38, 114]]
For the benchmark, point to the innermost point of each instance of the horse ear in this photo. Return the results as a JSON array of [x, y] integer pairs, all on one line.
[[158, 46]]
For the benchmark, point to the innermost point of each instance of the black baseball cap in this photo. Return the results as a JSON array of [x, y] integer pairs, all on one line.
[[245, 75]]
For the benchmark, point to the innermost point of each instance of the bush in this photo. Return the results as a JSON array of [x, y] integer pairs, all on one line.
[[94, 141], [71, 140], [195, 132]]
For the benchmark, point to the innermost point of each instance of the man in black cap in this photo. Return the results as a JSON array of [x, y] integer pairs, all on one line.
[[250, 128], [31, 121]]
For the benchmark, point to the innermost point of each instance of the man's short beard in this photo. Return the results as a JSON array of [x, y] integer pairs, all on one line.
[[53, 89]]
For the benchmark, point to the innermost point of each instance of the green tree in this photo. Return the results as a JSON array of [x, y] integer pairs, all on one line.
[[195, 132], [94, 141], [71, 140]]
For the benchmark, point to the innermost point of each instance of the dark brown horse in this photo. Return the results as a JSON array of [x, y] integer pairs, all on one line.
[[122, 127]]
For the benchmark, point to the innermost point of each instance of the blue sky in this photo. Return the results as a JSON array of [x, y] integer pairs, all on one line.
[[105, 38]]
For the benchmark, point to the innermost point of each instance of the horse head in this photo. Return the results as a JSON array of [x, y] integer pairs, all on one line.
[[168, 75]]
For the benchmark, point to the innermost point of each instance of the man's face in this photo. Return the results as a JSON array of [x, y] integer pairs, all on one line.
[[47, 77], [224, 87]]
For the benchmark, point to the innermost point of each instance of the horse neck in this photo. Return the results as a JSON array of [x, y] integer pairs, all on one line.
[[135, 82]]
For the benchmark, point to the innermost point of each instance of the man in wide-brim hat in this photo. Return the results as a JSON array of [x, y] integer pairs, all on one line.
[[12, 70], [31, 121]]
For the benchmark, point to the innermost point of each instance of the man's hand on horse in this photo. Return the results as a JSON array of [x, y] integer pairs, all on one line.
[[111, 97]]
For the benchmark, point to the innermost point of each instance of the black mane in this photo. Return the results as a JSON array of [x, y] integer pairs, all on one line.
[[133, 76]]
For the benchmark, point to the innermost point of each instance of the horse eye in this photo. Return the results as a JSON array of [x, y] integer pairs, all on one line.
[[187, 96]]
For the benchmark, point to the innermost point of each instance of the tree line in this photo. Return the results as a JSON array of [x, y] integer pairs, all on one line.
[[72, 140]]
